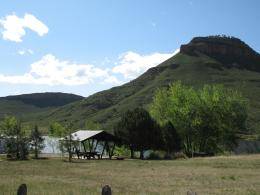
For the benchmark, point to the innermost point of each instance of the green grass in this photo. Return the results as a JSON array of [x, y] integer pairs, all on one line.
[[216, 175]]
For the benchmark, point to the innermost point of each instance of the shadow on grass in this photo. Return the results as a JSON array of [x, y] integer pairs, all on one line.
[[27, 159], [40, 158], [91, 160]]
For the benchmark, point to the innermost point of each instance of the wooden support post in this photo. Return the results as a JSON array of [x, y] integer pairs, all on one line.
[[22, 190], [108, 150], [112, 151], [106, 190], [103, 149], [89, 145], [77, 151], [83, 143]]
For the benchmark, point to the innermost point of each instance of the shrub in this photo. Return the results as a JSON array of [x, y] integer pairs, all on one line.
[[156, 155], [180, 155]]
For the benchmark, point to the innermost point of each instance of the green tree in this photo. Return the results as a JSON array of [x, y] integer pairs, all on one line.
[[8, 125], [56, 130], [64, 132], [91, 125], [138, 130], [17, 143], [171, 138], [37, 141], [207, 119]]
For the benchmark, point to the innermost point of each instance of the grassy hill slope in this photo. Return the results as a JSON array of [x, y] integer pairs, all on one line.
[[107, 106], [28, 107]]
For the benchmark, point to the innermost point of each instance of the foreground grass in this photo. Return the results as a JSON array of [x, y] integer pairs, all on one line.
[[217, 175]]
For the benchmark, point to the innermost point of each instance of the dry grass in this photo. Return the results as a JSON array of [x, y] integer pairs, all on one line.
[[217, 175]]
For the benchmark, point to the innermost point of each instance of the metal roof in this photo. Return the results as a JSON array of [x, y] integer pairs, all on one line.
[[82, 135]]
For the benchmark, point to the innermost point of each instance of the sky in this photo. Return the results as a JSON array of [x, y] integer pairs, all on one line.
[[85, 46]]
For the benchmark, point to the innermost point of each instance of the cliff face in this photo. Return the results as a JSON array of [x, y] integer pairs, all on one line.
[[231, 52]]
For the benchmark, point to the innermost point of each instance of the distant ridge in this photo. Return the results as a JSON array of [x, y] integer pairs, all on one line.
[[47, 99]]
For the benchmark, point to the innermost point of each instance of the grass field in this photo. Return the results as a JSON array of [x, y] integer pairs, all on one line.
[[216, 175]]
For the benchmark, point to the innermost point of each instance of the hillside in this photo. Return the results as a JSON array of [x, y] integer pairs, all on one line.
[[28, 106], [213, 59]]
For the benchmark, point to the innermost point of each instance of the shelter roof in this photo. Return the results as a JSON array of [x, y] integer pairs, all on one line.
[[82, 135]]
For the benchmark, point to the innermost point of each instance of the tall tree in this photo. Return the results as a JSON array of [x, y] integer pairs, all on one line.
[[138, 130], [207, 119], [171, 138], [37, 141], [56, 129], [65, 132], [17, 143]]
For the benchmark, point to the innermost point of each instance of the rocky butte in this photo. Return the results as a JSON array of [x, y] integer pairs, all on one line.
[[230, 51]]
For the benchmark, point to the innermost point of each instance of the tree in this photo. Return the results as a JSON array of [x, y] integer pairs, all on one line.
[[138, 130], [56, 129], [171, 138], [37, 141], [92, 125], [65, 132], [68, 141], [17, 143], [207, 119]]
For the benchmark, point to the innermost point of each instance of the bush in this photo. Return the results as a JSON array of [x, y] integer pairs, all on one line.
[[180, 155], [156, 155], [169, 156], [17, 148], [121, 151]]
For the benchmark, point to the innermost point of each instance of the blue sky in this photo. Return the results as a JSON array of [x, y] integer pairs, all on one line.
[[86, 46]]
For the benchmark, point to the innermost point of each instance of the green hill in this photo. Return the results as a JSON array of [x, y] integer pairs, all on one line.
[[43, 100], [29, 106], [214, 59]]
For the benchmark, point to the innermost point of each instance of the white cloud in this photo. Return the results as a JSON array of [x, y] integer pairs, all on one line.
[[21, 52], [51, 71], [112, 80], [25, 51], [132, 64], [14, 27]]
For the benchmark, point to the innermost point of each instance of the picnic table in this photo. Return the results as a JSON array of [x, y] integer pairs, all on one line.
[[88, 155]]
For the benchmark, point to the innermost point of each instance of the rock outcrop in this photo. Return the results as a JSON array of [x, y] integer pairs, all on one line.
[[230, 51]]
